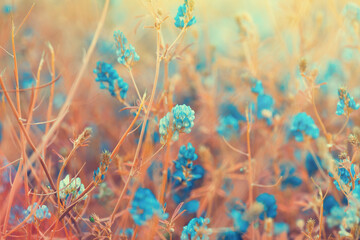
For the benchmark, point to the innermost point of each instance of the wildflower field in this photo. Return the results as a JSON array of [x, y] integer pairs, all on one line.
[[180, 119]]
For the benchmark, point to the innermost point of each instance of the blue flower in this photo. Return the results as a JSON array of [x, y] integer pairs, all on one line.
[[144, 206], [191, 206], [345, 178], [269, 203], [240, 224], [352, 11], [229, 120], [303, 124], [184, 15], [197, 229], [310, 164], [227, 186], [8, 8], [27, 80], [179, 120], [41, 212], [258, 87], [337, 214], [71, 188], [229, 109], [128, 232], [229, 235], [328, 204], [346, 103], [265, 108], [228, 126], [186, 173], [110, 79], [125, 52], [281, 227], [289, 179], [100, 172]]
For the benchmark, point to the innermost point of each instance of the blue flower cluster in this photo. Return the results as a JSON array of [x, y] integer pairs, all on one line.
[[184, 16], [125, 52], [144, 206], [40, 213], [289, 177], [236, 210], [346, 103], [110, 79], [258, 88], [310, 164], [241, 225], [228, 126], [345, 177], [186, 173], [328, 204], [303, 124], [352, 11], [229, 235], [71, 188], [100, 172], [265, 103], [180, 119], [7, 8], [196, 229], [281, 227], [344, 217], [229, 120], [127, 233], [269, 203]]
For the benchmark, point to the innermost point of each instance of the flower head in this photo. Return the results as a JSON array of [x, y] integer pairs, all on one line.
[[125, 52], [228, 126], [179, 120], [352, 11], [240, 223], [265, 107], [310, 164], [71, 188], [269, 203], [144, 206], [303, 124], [196, 229], [329, 203], [184, 17], [7, 8], [100, 172], [346, 103], [258, 88], [41, 212], [289, 178], [109, 79], [186, 173]]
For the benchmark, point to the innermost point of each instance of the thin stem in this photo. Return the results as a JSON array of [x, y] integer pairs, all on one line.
[[141, 133], [328, 137], [165, 175], [75, 86], [133, 80], [25, 18], [114, 153], [22, 127], [51, 98], [343, 127], [250, 170]]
